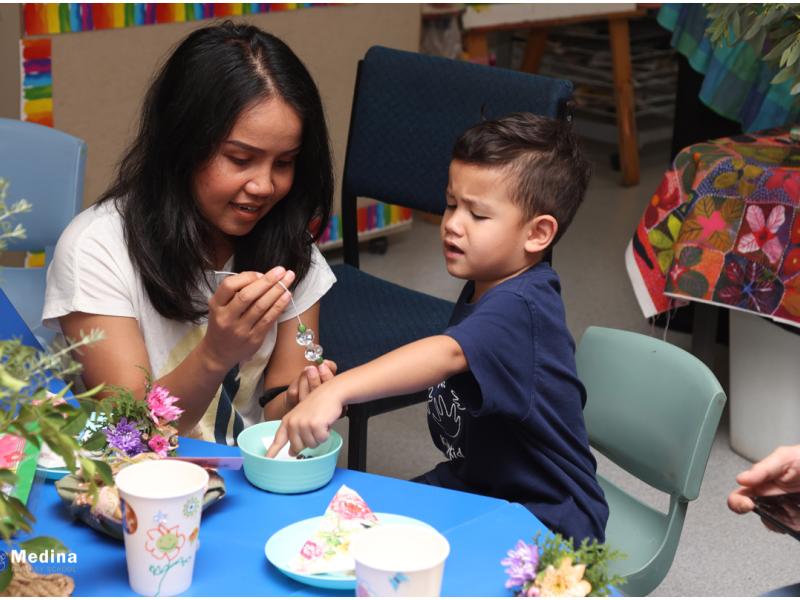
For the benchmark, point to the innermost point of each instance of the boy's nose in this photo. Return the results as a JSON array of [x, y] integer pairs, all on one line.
[[451, 225]]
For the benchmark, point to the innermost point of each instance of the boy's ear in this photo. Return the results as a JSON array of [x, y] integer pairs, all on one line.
[[542, 231]]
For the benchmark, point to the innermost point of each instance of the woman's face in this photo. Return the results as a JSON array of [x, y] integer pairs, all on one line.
[[252, 171]]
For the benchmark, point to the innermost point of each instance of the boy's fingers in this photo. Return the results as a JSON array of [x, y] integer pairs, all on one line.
[[325, 372], [320, 435], [312, 375], [296, 444], [279, 441], [331, 365], [304, 388]]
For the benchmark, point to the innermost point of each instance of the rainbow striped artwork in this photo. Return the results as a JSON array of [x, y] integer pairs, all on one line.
[[370, 218], [66, 17], [36, 103]]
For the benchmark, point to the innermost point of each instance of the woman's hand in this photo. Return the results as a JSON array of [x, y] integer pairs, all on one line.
[[309, 379], [241, 313], [778, 473]]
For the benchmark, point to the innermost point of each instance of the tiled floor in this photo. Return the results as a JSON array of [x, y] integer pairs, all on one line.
[[720, 553]]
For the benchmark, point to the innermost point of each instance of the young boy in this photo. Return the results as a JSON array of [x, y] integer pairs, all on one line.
[[505, 405]]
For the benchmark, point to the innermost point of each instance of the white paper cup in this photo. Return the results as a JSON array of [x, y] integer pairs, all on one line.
[[399, 560], [161, 502]]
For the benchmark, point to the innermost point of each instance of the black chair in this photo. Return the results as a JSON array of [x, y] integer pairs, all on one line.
[[408, 110]]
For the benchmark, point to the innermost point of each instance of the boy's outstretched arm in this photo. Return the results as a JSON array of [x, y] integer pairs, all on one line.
[[408, 369]]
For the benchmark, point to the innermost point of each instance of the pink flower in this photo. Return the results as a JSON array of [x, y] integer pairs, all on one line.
[[162, 405], [764, 232], [159, 445]]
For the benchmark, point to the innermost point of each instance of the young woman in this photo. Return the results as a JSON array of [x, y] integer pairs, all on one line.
[[230, 168]]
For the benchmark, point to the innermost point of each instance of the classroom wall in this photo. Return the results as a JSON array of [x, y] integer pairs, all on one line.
[[99, 77], [10, 31]]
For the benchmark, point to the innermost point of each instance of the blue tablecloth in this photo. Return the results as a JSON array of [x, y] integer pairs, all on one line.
[[231, 560]]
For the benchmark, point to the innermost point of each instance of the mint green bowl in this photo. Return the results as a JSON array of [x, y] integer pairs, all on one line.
[[286, 476]]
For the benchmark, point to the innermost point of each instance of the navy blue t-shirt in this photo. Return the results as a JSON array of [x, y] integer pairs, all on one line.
[[512, 426]]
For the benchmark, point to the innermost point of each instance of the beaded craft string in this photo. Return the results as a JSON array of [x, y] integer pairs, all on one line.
[[305, 336]]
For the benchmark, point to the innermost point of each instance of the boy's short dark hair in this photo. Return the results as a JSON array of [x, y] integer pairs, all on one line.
[[543, 157]]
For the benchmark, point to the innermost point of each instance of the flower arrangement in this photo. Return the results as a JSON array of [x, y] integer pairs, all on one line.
[[125, 426], [551, 566], [29, 411]]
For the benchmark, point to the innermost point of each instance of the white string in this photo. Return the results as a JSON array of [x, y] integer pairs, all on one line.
[[294, 306]]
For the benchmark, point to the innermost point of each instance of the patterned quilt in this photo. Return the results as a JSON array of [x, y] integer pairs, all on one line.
[[723, 228]]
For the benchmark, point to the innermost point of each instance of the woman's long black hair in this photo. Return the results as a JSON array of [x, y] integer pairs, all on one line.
[[189, 110]]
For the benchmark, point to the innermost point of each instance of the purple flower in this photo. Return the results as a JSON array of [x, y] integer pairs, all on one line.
[[125, 437], [521, 564]]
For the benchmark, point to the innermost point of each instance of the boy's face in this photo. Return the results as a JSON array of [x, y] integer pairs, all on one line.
[[483, 231]]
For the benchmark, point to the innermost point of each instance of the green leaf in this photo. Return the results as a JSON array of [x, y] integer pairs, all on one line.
[[17, 505], [725, 180], [690, 256], [784, 75], [693, 283], [665, 260], [795, 88], [6, 575], [74, 425], [758, 42], [790, 56], [41, 544], [777, 50], [660, 240], [97, 441], [89, 468], [104, 471], [92, 392], [8, 476]]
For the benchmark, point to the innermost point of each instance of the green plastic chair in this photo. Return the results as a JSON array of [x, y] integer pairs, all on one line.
[[653, 410]]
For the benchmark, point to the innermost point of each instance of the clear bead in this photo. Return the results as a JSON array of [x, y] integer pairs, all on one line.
[[313, 352], [304, 338]]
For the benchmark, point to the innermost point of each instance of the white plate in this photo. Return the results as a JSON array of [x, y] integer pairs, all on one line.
[[284, 545]]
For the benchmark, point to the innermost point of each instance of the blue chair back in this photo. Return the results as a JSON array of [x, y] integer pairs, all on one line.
[[12, 324], [46, 167], [408, 111]]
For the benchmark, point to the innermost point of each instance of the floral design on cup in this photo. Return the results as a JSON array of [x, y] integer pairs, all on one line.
[[129, 521], [396, 579], [164, 542], [363, 590], [191, 506], [193, 535]]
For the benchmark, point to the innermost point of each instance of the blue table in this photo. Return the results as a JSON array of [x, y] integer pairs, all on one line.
[[233, 533]]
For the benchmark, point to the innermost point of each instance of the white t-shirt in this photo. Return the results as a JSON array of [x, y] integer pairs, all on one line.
[[92, 272]]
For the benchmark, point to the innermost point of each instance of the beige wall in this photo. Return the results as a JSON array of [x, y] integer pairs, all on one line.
[[9, 60], [99, 77]]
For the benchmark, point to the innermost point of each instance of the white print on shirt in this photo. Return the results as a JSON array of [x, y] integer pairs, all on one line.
[[445, 411], [450, 452]]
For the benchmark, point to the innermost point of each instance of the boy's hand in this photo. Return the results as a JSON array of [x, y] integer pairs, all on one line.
[[309, 423], [309, 379]]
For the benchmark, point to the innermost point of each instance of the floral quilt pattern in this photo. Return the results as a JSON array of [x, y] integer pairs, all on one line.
[[723, 227]]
